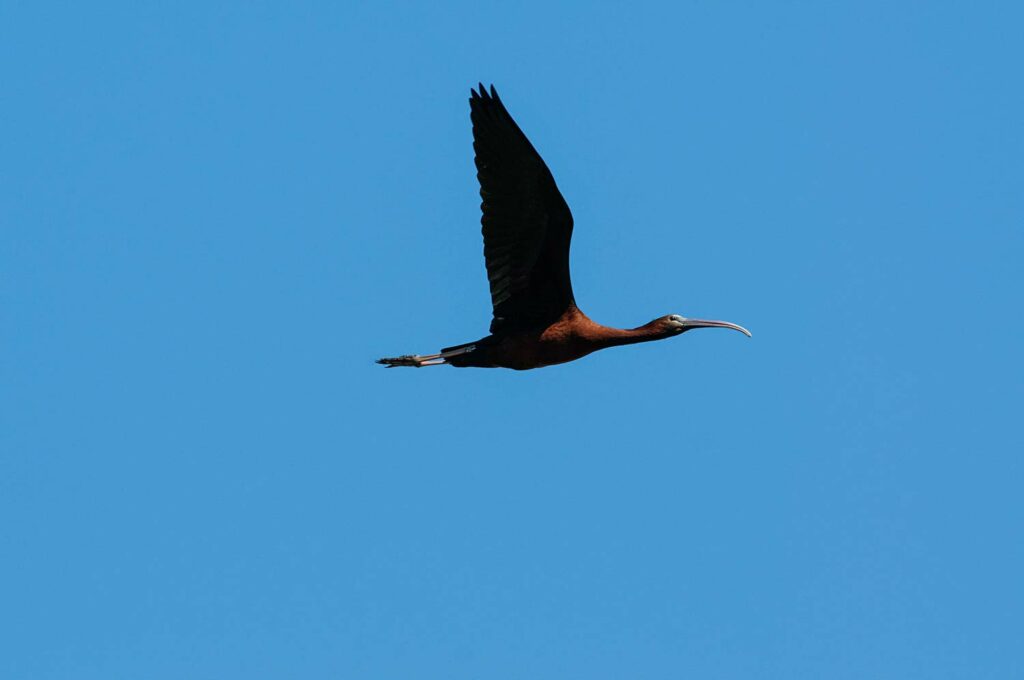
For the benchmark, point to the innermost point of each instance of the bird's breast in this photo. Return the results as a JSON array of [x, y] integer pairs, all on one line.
[[556, 344]]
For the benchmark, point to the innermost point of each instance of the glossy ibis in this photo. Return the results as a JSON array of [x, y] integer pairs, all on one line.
[[527, 227]]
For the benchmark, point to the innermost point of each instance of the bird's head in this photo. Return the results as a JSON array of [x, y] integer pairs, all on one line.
[[674, 324]]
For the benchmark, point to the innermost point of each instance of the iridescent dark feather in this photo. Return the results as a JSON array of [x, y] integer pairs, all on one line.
[[527, 225]]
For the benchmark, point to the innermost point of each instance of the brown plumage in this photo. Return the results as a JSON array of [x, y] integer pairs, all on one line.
[[527, 228]]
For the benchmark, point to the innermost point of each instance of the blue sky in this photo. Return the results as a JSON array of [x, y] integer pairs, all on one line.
[[215, 216]]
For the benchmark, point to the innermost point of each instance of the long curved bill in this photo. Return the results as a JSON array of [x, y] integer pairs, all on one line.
[[703, 323]]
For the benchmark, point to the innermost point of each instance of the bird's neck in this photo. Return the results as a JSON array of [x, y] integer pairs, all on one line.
[[613, 337]]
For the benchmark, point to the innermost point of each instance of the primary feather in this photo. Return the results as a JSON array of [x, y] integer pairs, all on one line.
[[527, 226]]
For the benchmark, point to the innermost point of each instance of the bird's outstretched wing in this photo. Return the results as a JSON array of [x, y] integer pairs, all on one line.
[[527, 225]]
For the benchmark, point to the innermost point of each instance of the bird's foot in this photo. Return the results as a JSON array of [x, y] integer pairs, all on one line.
[[414, 360], [417, 361]]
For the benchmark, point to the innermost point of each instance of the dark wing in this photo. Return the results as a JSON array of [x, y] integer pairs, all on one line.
[[527, 225]]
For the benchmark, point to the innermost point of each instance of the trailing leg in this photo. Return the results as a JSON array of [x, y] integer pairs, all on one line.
[[418, 361]]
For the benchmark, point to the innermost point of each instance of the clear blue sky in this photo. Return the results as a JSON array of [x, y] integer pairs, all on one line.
[[215, 216]]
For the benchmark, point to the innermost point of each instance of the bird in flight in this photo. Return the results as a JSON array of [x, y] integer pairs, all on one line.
[[527, 227]]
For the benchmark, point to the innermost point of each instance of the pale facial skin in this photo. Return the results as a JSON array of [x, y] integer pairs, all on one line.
[[680, 324]]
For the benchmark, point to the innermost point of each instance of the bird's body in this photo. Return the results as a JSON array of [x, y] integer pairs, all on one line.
[[527, 229], [572, 336]]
